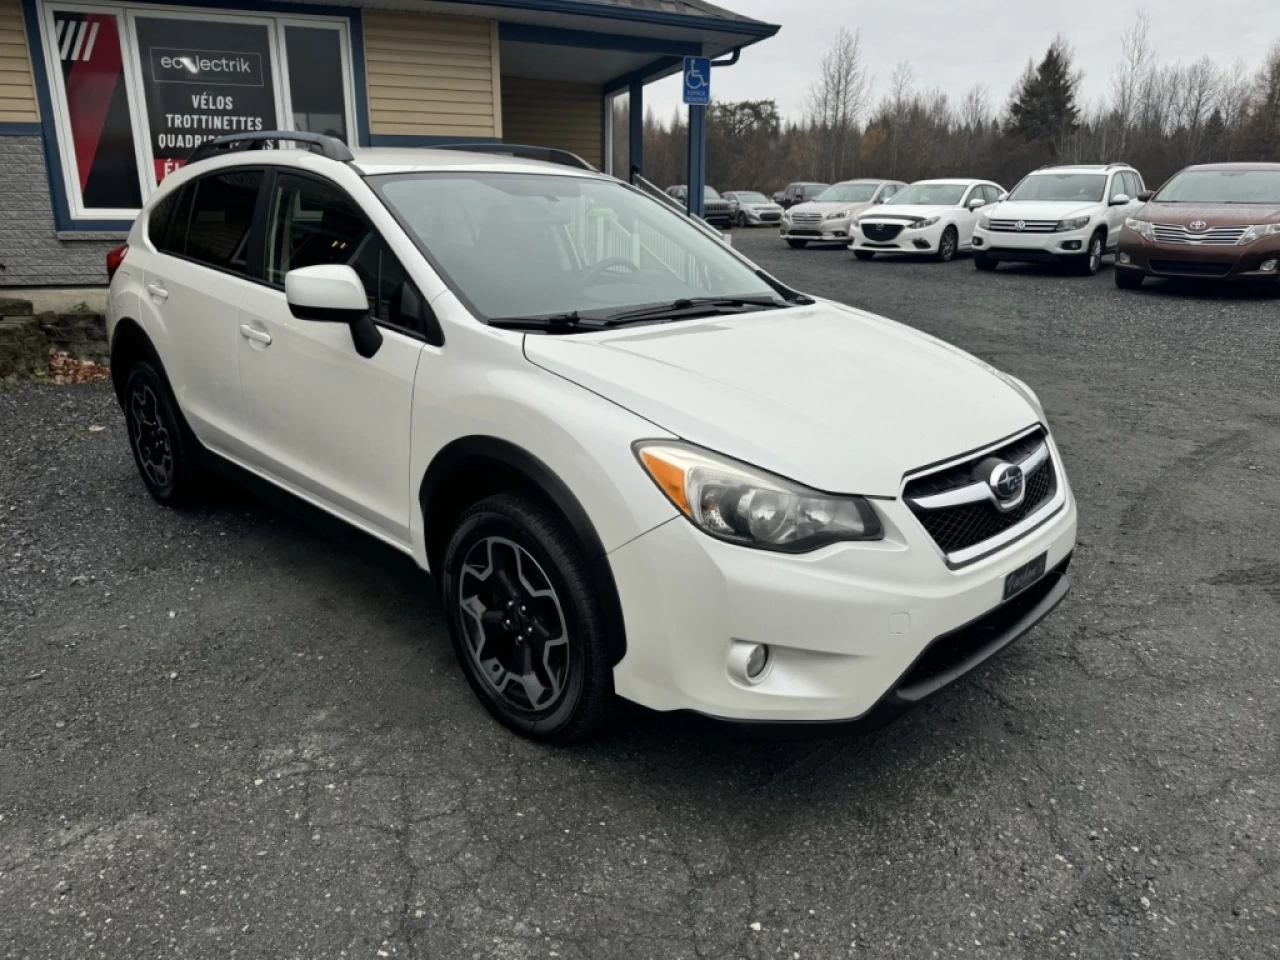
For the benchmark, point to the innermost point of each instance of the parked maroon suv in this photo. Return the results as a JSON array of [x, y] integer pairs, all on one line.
[[1215, 220]]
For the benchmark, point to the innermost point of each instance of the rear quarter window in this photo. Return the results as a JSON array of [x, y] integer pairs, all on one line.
[[158, 218]]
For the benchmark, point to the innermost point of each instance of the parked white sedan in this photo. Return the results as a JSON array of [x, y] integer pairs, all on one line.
[[934, 217]]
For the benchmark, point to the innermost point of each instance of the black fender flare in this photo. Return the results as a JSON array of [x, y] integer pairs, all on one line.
[[505, 458]]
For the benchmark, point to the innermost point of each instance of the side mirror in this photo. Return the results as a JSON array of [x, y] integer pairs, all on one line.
[[1003, 196], [1146, 195], [333, 293], [1120, 199], [976, 202]]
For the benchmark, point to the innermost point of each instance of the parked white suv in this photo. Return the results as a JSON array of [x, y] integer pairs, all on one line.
[[633, 462], [1059, 214]]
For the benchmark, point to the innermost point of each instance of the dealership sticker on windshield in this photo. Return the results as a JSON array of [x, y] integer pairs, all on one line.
[[1024, 576]]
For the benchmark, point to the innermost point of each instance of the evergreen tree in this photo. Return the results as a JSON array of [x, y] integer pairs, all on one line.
[[1043, 106]]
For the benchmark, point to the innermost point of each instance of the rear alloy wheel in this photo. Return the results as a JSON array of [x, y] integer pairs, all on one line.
[[982, 262], [865, 254], [1091, 262], [164, 451], [525, 624], [1129, 279], [797, 244], [947, 246]]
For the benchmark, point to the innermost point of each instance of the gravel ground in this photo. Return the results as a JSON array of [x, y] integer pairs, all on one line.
[[223, 735]]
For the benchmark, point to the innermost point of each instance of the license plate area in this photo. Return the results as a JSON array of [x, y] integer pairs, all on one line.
[[1025, 576]]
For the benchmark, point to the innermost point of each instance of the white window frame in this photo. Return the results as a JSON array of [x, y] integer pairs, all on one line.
[[139, 121]]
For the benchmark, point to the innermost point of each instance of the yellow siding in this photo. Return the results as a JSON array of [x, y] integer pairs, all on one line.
[[549, 113], [429, 75], [17, 88]]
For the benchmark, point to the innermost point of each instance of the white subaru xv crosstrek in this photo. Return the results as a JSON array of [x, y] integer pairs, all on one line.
[[634, 463]]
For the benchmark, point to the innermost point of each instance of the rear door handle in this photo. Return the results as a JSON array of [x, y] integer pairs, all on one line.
[[253, 333], [157, 291]]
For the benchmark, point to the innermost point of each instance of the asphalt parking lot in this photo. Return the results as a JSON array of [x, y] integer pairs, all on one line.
[[223, 735]]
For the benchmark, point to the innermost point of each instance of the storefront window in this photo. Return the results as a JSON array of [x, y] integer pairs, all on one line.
[[137, 89]]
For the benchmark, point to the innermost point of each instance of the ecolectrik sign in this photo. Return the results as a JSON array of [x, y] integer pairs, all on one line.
[[206, 67]]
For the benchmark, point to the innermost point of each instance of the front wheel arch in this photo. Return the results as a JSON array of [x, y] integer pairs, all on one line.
[[469, 469]]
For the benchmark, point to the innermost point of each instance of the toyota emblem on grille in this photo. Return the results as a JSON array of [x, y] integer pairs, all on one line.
[[1006, 482], [1020, 225], [1198, 224]]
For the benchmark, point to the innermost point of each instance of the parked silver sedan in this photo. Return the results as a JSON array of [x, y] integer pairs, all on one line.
[[751, 209]]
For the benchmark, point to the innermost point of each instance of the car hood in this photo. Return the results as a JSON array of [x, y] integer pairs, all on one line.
[[1039, 209], [760, 206], [813, 206], [826, 395], [906, 211], [1212, 214]]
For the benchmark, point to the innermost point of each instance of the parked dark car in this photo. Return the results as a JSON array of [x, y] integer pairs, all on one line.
[[801, 191], [750, 209], [716, 209], [1215, 221]]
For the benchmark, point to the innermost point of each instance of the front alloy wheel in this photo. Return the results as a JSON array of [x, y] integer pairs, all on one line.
[[1091, 262]]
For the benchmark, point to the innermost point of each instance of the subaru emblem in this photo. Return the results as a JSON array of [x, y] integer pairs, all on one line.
[[1006, 482]]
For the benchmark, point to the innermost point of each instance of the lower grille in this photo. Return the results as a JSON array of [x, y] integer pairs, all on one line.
[[965, 525], [770, 217], [880, 232], [1191, 268]]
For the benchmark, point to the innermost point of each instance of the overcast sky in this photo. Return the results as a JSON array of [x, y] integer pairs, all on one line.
[[953, 44]]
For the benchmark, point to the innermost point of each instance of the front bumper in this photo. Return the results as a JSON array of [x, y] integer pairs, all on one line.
[[1198, 261], [846, 625], [827, 231], [757, 218], [923, 240], [1032, 247]]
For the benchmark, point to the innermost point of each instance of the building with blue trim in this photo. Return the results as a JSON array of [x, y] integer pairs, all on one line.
[[101, 99]]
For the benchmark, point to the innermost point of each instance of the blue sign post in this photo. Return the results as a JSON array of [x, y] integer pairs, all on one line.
[[697, 81], [697, 94]]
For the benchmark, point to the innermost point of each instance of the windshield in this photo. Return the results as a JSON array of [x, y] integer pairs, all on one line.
[[532, 245], [747, 196], [930, 194], [1084, 187], [848, 193], [1222, 186]]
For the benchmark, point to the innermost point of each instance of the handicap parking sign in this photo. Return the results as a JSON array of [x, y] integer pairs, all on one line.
[[697, 80]]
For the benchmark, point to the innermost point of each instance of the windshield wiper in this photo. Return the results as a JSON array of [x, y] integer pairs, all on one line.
[[696, 305], [556, 321]]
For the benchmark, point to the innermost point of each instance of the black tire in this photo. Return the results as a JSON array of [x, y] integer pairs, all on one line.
[[565, 689], [797, 244], [865, 254], [982, 262], [742, 219], [1129, 279], [1090, 262], [947, 246], [164, 449]]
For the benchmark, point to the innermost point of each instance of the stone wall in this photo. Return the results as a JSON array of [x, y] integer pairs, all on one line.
[[26, 338], [32, 252]]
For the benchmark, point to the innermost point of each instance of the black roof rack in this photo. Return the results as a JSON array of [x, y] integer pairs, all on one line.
[[330, 147], [549, 154]]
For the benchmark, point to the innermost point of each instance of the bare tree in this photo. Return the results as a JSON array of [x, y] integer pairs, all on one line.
[[1130, 76], [838, 97], [897, 109]]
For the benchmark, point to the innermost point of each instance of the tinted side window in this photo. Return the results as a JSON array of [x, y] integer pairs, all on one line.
[[1133, 185], [383, 277], [180, 222], [158, 220], [221, 216], [1117, 186]]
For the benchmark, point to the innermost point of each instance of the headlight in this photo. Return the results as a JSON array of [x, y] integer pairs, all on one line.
[[922, 224], [984, 222], [838, 215], [1078, 223], [734, 502], [1258, 231], [1144, 229]]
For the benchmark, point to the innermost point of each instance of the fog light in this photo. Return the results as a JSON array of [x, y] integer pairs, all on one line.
[[1122, 257], [748, 662], [977, 242], [1071, 245], [1268, 266]]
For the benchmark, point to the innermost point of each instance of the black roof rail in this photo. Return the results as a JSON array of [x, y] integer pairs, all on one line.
[[549, 154], [330, 147]]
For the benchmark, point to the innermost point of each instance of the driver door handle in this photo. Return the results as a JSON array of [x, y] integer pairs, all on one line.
[[253, 333]]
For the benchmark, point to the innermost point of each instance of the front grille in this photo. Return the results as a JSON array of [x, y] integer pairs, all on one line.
[[881, 232], [1028, 226], [806, 218], [770, 217], [1215, 236], [966, 525], [1191, 268]]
